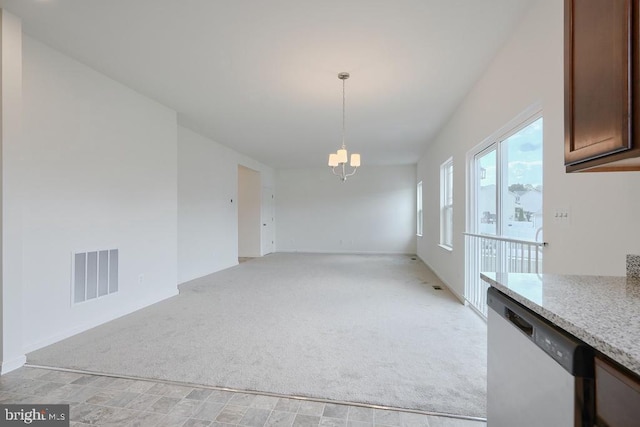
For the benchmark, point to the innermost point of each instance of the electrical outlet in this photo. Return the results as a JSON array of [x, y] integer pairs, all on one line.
[[140, 279]]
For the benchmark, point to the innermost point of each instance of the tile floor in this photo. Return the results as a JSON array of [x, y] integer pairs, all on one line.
[[108, 401]]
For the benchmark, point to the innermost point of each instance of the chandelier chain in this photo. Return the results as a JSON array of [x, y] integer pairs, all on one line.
[[343, 112]]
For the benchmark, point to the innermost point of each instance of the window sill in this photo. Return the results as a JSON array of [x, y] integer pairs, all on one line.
[[446, 248]]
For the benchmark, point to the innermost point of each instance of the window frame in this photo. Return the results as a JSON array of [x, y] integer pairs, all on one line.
[[446, 204], [494, 141], [419, 211]]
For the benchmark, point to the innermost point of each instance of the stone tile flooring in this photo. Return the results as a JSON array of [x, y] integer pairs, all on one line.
[[110, 401]]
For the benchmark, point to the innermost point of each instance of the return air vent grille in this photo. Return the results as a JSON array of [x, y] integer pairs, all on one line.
[[94, 274]]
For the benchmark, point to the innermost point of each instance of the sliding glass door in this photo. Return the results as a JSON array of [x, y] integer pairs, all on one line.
[[505, 227]]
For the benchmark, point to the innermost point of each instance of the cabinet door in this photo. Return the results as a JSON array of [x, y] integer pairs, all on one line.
[[597, 78], [617, 396]]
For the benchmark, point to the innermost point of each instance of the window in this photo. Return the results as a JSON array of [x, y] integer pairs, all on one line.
[[419, 209], [508, 183], [446, 204]]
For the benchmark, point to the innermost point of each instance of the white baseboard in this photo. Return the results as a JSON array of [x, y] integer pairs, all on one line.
[[12, 365], [96, 322], [201, 275], [455, 293]]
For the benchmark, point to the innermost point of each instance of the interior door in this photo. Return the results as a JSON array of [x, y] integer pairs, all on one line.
[[268, 221]]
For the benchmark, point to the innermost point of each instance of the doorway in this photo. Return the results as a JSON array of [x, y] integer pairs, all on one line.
[[249, 213], [268, 221], [504, 218]]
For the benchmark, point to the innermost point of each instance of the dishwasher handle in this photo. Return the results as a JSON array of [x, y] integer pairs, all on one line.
[[519, 322]]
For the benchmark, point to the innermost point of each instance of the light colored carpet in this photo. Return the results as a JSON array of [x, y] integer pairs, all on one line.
[[358, 328]]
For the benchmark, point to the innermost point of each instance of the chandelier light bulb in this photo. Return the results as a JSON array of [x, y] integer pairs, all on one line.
[[342, 155]]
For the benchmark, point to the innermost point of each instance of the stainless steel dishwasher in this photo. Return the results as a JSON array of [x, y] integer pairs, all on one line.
[[537, 375]]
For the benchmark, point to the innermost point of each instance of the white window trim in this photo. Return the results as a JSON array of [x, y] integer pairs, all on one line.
[[419, 211], [444, 187], [445, 247]]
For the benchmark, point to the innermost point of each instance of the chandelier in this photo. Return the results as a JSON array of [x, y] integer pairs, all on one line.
[[338, 160]]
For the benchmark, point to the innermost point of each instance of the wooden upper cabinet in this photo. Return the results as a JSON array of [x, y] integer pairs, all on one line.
[[601, 85]]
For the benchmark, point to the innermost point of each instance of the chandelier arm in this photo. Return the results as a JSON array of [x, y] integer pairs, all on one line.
[[355, 169], [343, 173], [340, 175]]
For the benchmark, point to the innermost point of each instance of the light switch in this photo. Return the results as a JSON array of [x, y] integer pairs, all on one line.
[[562, 215]]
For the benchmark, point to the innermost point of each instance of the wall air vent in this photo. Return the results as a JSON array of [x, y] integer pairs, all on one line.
[[94, 274]]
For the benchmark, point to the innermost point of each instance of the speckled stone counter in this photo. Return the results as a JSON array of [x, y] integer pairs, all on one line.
[[602, 311]]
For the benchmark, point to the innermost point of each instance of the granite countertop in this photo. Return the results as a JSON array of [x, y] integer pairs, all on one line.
[[602, 311]]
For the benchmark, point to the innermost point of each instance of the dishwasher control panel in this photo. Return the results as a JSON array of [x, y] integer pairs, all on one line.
[[572, 354], [553, 348]]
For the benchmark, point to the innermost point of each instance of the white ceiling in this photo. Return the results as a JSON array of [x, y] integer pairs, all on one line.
[[260, 76]]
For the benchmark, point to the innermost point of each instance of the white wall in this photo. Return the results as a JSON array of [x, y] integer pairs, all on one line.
[[249, 210], [207, 219], [604, 206], [374, 211], [11, 295], [99, 172]]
